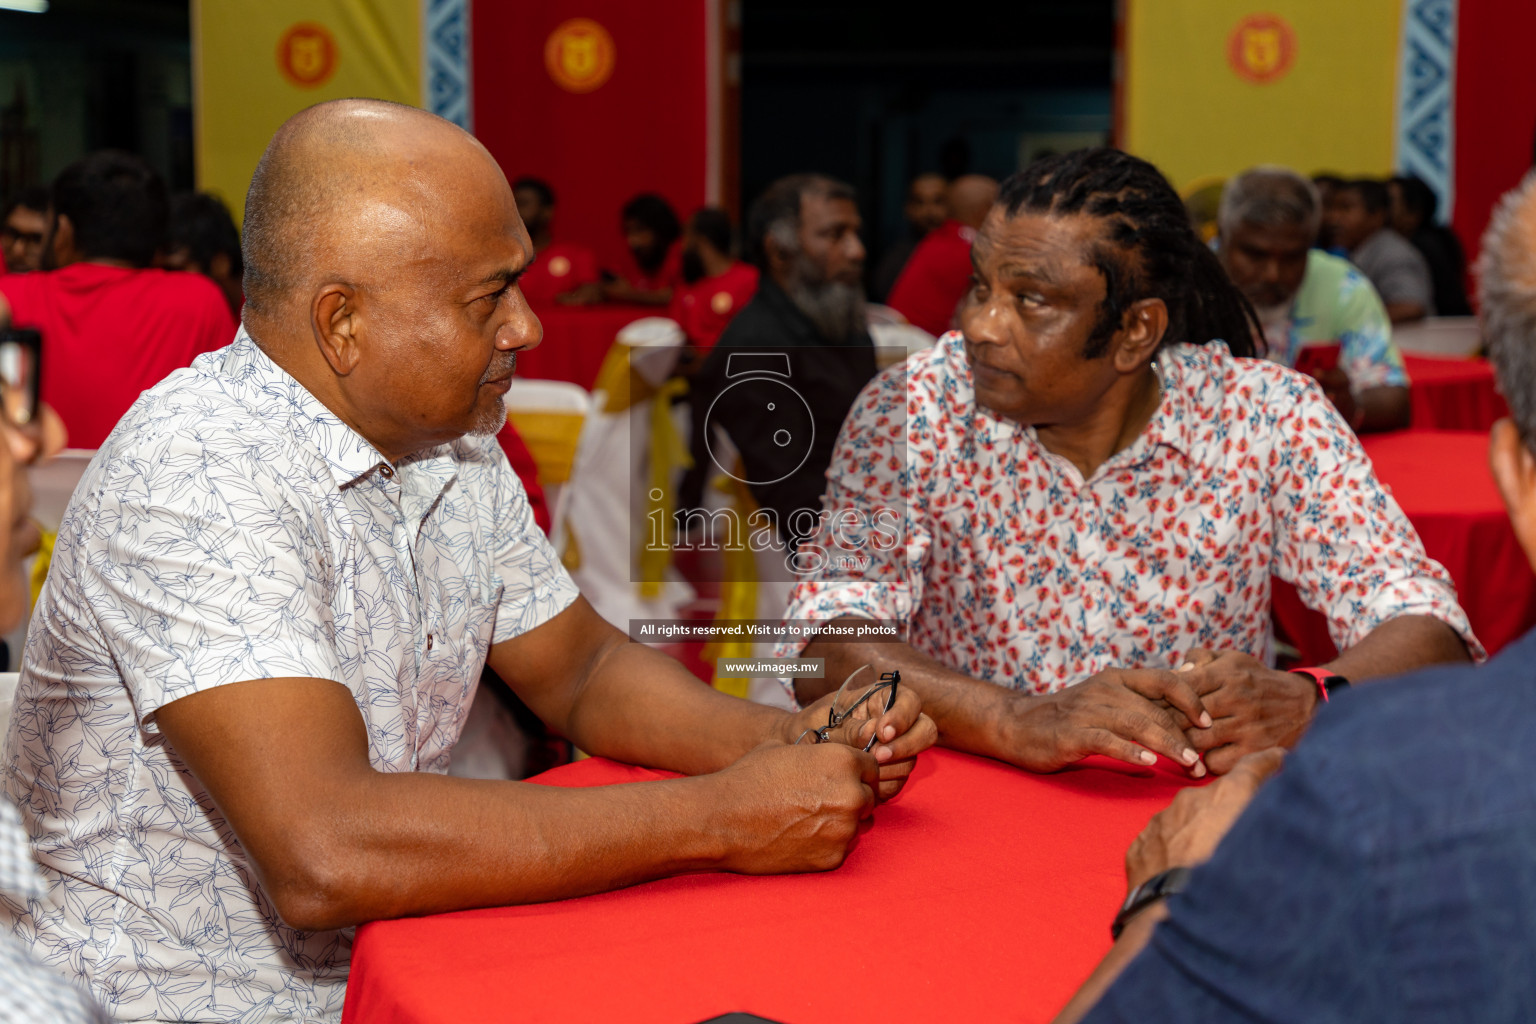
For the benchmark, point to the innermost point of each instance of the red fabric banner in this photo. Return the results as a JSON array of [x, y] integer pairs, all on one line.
[[1495, 110], [602, 99]]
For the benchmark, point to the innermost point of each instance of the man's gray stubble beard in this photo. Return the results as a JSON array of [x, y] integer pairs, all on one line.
[[836, 309]]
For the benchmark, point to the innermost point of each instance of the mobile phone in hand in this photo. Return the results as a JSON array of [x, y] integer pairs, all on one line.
[[21, 352]]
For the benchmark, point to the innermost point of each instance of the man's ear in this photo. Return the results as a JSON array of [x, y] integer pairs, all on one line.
[[61, 241], [1141, 331], [778, 259], [337, 326], [218, 267], [1514, 473]]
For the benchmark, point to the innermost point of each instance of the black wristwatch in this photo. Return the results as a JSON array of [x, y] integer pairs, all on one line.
[[1159, 886]]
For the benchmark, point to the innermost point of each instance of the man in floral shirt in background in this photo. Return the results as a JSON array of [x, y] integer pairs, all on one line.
[[1093, 495]]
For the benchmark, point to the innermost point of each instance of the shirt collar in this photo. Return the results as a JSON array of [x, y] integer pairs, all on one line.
[[1172, 424], [348, 454]]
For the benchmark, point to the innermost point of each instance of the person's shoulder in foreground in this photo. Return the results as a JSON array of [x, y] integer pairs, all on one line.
[[1384, 874]]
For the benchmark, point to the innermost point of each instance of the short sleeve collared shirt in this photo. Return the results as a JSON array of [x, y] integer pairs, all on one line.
[[1014, 569], [1338, 306], [233, 529]]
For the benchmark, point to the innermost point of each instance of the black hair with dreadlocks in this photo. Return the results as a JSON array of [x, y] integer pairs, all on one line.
[[1148, 250]]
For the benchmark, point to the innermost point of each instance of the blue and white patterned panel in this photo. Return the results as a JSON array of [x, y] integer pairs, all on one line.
[[445, 86], [1426, 108]]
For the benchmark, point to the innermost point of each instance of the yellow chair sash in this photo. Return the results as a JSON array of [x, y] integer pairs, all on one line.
[[551, 438], [669, 456], [41, 564], [738, 596]]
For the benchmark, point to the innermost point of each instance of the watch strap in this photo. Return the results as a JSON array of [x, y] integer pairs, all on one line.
[[1327, 682], [1160, 886]]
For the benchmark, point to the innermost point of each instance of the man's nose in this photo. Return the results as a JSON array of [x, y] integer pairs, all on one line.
[[522, 329], [855, 248], [983, 323]]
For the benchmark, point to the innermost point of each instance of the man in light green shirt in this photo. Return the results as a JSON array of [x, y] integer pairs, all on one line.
[[1309, 300]]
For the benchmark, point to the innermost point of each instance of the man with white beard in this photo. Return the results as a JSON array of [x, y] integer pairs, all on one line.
[[807, 324], [1307, 299]]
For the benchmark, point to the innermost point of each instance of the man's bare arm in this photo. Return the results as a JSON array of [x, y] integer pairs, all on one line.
[[622, 700], [1119, 714], [1400, 645], [335, 842], [1254, 706]]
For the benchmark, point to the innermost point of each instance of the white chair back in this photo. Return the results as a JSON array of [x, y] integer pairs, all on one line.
[[608, 492], [1448, 337]]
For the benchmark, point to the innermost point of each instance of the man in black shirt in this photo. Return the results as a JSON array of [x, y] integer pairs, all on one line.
[[788, 368]]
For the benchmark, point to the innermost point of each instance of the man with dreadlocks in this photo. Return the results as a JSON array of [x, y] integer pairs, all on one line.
[[1094, 480]]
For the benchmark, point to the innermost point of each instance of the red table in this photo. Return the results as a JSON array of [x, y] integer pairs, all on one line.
[[1453, 394], [981, 893], [575, 340], [1441, 480]]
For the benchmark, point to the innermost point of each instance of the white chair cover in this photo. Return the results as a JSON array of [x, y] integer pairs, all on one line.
[[607, 492]]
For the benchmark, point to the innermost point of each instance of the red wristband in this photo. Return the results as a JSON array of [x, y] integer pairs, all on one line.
[[1324, 679]]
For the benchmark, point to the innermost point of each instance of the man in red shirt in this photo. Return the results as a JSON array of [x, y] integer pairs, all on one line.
[[564, 272], [938, 275], [651, 231], [111, 326], [719, 284], [22, 226]]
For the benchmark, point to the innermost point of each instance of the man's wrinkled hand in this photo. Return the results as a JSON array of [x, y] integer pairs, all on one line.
[[1128, 714], [793, 808], [1252, 706], [903, 731], [1187, 832]]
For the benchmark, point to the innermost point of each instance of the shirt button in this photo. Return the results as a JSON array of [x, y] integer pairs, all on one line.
[[429, 641], [386, 471]]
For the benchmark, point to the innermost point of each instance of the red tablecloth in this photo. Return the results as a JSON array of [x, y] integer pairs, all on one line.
[[575, 340], [981, 893], [1442, 482], [1453, 394]]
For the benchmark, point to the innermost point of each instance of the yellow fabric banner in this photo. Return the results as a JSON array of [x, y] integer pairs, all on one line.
[[258, 62], [1213, 87]]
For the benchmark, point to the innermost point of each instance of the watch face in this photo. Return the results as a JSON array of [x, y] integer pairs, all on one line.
[[775, 409]]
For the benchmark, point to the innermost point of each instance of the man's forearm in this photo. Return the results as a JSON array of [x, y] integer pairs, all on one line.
[[972, 715], [477, 843], [588, 682], [670, 718], [1400, 645]]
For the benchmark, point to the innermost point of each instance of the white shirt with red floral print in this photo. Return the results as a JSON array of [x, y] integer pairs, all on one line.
[[1014, 569]]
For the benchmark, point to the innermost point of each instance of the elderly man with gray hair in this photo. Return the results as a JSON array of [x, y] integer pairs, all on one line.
[[1385, 873], [1319, 313]]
